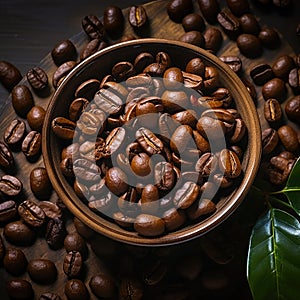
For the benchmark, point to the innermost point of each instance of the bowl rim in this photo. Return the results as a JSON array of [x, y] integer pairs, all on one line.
[[81, 210]]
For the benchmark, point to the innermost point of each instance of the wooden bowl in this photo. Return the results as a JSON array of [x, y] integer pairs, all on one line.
[[99, 65]]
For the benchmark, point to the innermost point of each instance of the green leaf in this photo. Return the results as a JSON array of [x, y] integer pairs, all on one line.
[[273, 264], [292, 188]]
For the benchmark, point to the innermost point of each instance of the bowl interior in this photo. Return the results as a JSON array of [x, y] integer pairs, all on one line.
[[99, 65]]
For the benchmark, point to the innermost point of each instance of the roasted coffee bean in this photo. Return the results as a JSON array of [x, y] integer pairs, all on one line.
[[40, 183], [74, 242], [261, 74], [229, 23], [31, 213], [209, 9], [42, 271], [19, 234], [210, 128], [35, 118], [250, 88], [186, 195], [50, 209], [149, 141], [9, 75], [229, 164], [249, 45], [143, 60], [6, 157], [63, 128], [66, 167], [14, 133], [116, 180], [193, 37], [122, 70], [272, 110], [72, 264], [137, 16], [181, 138], [103, 286], [115, 140], [206, 164], [249, 24], [282, 67], [178, 9], [113, 19], [269, 140], [149, 225], [76, 108], [37, 78], [238, 7], [93, 27], [63, 51], [195, 66], [22, 100], [213, 39], [174, 101], [61, 72], [292, 109], [269, 38], [173, 78], [55, 233], [49, 296], [91, 122], [294, 80], [86, 170], [289, 139], [201, 208], [193, 21], [274, 88], [141, 164], [87, 89], [92, 47], [15, 261], [279, 170], [108, 101], [102, 203], [211, 78], [31, 145], [8, 211], [10, 185], [173, 218], [19, 289], [233, 62], [149, 199], [75, 289]]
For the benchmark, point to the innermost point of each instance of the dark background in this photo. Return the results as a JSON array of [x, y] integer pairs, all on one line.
[[30, 28]]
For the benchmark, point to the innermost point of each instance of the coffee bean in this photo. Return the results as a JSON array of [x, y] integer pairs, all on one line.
[[149, 141], [249, 24], [193, 37], [113, 19], [31, 145], [261, 74], [116, 181], [229, 164], [31, 213], [50, 209], [9, 75], [75, 289], [49, 296], [61, 72], [35, 118], [279, 170], [22, 100], [40, 183], [173, 218], [178, 9], [269, 38], [186, 195], [233, 62], [142, 61], [250, 88], [206, 164], [93, 27], [294, 80], [141, 165], [282, 67], [173, 78], [7, 160], [14, 133], [64, 51], [103, 286], [137, 16], [42, 271], [238, 7], [193, 21], [37, 78], [131, 287], [149, 225], [10, 185], [195, 66], [74, 242], [201, 208], [211, 78], [210, 128], [55, 233], [86, 170], [72, 264], [181, 138], [269, 140], [229, 23], [289, 139], [8, 211], [19, 289], [63, 128], [76, 108], [87, 89], [108, 101], [122, 70], [292, 109], [272, 110], [92, 47], [14, 261], [274, 88], [209, 9], [20, 234], [213, 39], [249, 45]]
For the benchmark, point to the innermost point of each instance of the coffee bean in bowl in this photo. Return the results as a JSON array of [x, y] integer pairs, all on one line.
[[154, 163]]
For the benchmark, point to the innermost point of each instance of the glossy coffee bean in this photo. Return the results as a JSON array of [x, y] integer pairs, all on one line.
[[274, 88], [141, 164], [149, 199], [149, 141], [122, 70], [37, 78], [116, 181], [9, 75], [93, 27], [76, 108], [250, 24], [55, 233], [193, 21], [195, 66], [282, 67], [201, 208], [249, 45], [92, 47], [31, 145], [35, 118], [108, 101], [14, 133], [173, 218], [103, 286], [292, 109], [61, 72], [113, 19], [72, 264], [178, 9], [213, 39], [173, 78], [131, 287], [137, 16], [269, 38], [63, 51], [22, 100], [75, 242], [294, 80], [6, 157], [261, 73], [87, 89], [8, 211], [42, 271], [49, 296], [209, 9], [229, 23], [186, 195], [10, 185], [19, 289], [289, 139], [272, 110], [31, 213], [40, 183], [238, 7], [270, 140], [19, 234], [63, 128], [75, 289], [149, 225], [181, 138], [229, 164], [193, 37], [14, 261], [233, 62], [51, 210]]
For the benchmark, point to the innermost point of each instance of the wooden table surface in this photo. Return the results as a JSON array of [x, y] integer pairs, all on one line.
[[29, 30]]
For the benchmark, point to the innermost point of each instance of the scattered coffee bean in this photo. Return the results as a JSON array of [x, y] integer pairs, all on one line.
[[249, 45], [178, 9], [61, 72], [63, 51], [249, 24], [92, 47], [55, 233], [35, 118], [233, 62], [270, 140], [7, 160], [74, 242], [42, 271], [37, 78], [40, 183], [19, 289], [272, 110], [31, 145], [137, 16], [103, 286], [213, 39], [31, 213], [274, 88], [113, 19], [292, 109], [282, 67], [269, 38], [10, 185], [93, 27], [72, 264], [14, 261], [75, 289], [261, 73], [289, 139], [294, 80], [229, 23], [9, 75], [209, 9], [8, 211], [14, 133], [238, 7], [50, 209], [192, 22], [22, 100]]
